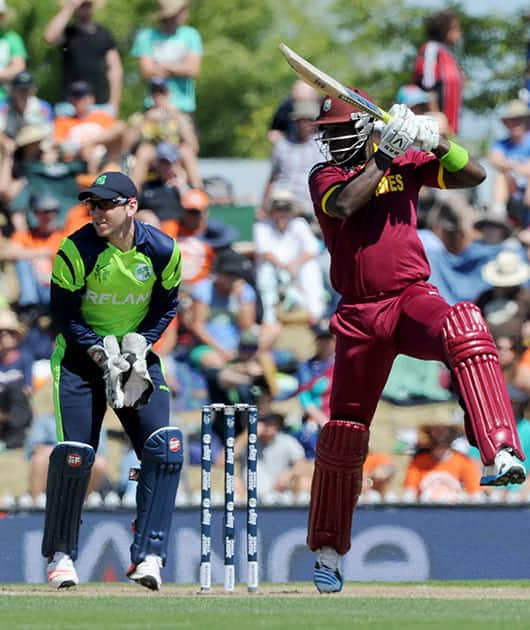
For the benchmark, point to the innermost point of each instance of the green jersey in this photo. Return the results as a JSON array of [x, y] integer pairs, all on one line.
[[99, 290]]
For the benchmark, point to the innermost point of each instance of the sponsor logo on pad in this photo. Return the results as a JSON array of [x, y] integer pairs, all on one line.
[[174, 444], [74, 460]]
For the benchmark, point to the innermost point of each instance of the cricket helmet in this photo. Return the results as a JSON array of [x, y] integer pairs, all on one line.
[[342, 148], [335, 110]]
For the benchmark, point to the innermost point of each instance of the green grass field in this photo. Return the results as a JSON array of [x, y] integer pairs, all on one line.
[[488, 605]]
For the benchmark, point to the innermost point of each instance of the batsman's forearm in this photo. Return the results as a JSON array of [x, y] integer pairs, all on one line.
[[468, 176], [359, 191]]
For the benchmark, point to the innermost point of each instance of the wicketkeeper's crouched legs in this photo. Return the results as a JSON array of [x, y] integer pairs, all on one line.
[[474, 361], [337, 481]]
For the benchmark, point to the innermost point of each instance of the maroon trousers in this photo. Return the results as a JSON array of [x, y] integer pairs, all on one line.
[[369, 337]]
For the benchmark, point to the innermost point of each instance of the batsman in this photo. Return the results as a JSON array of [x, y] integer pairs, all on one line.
[[113, 292], [365, 198]]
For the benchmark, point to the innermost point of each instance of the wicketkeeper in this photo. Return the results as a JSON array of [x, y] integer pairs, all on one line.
[[114, 290], [365, 199]]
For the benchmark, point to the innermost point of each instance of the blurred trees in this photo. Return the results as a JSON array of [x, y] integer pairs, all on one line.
[[244, 77]]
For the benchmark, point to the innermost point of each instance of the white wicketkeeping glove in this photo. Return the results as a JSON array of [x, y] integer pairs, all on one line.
[[428, 137], [108, 357], [138, 386], [400, 133]]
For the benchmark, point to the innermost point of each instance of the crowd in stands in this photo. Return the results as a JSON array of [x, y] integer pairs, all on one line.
[[238, 300]]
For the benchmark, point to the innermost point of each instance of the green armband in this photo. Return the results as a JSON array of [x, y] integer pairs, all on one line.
[[455, 159]]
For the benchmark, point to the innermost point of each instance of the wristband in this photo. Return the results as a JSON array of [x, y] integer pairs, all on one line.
[[455, 159]]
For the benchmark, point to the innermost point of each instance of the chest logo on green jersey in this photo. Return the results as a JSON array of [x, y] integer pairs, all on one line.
[[142, 272], [101, 272]]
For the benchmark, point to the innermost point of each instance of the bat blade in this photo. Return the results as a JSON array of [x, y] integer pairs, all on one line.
[[328, 85]]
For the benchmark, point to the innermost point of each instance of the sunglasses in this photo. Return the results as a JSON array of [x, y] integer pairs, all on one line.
[[106, 204]]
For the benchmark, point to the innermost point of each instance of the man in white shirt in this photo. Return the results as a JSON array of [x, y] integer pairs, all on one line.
[[287, 264]]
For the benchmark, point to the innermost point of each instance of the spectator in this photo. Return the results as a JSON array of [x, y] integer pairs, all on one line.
[[506, 306], [196, 221], [292, 159], [38, 445], [282, 125], [244, 379], [15, 382], [162, 122], [510, 351], [436, 69], [89, 52], [223, 306], [22, 107], [40, 167], [89, 134], [437, 473], [314, 388], [172, 51], [44, 239], [378, 473], [510, 157], [281, 463], [494, 230], [162, 194], [314, 376], [197, 254], [455, 255], [287, 269], [14, 53]]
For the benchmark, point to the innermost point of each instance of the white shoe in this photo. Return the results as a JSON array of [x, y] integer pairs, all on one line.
[[507, 468], [147, 572], [61, 571], [326, 572]]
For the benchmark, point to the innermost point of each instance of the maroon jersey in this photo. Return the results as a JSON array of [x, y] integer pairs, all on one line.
[[377, 251]]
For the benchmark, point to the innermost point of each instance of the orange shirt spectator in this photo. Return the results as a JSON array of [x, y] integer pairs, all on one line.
[[442, 479], [32, 240], [374, 460], [44, 237], [378, 472], [197, 255], [79, 129]]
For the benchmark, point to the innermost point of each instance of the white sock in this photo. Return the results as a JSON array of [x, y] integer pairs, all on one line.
[[329, 557]]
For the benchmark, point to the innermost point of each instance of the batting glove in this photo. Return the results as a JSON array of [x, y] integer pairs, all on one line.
[[399, 134], [428, 137], [138, 386], [108, 357]]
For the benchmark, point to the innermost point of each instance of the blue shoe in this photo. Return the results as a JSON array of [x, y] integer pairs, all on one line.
[[327, 580], [506, 469]]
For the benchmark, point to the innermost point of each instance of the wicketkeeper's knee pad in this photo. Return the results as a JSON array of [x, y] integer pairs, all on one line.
[[158, 481], [474, 360], [337, 481], [68, 477]]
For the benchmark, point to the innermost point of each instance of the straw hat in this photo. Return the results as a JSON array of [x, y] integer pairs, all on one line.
[[169, 8], [9, 321], [514, 109], [29, 134], [506, 270]]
